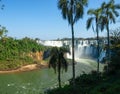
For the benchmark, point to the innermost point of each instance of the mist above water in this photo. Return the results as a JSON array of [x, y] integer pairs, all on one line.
[[83, 48]]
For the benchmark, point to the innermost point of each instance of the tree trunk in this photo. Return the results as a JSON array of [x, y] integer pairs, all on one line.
[[73, 56], [59, 72], [108, 48], [108, 41], [97, 46]]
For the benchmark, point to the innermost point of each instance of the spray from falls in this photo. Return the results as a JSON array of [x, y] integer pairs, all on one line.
[[83, 48]]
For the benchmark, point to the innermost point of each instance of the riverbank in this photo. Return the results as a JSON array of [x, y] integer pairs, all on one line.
[[26, 68]]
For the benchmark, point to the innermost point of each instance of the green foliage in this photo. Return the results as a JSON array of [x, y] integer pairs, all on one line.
[[66, 90], [93, 83], [14, 52], [115, 36], [107, 88], [109, 15], [84, 83], [57, 56], [87, 79], [3, 31], [72, 10], [57, 61], [114, 66], [107, 82]]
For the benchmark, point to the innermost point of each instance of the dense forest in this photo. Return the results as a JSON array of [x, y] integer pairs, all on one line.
[[16, 52]]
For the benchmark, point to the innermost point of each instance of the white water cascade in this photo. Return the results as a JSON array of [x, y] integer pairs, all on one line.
[[83, 48]]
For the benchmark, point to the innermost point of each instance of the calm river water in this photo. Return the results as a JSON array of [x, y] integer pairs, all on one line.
[[35, 82]]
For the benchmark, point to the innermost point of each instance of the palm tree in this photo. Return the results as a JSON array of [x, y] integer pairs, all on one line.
[[72, 10], [109, 14], [95, 13], [58, 62]]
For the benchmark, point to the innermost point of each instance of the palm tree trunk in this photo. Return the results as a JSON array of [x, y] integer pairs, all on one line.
[[59, 72], [97, 46], [108, 50], [73, 56], [108, 38], [59, 78]]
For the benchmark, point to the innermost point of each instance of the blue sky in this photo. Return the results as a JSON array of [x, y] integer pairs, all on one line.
[[42, 19]]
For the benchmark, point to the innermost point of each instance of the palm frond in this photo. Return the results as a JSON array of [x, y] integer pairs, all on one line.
[[93, 29], [91, 11], [63, 61], [111, 2], [117, 6], [72, 12], [103, 5], [116, 13], [57, 58], [78, 12], [64, 64], [62, 4], [53, 62], [103, 22], [89, 22], [110, 11], [78, 9], [98, 11], [111, 17], [54, 58], [85, 2], [69, 17]]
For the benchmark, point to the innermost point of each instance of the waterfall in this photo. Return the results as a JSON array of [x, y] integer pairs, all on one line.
[[83, 48], [102, 56]]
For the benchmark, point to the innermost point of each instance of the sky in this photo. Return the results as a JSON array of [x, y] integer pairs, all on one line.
[[42, 19]]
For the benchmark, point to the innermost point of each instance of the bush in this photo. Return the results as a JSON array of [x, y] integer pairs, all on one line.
[[14, 52], [114, 66]]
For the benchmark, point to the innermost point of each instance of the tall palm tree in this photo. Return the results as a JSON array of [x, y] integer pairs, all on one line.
[[72, 10], [58, 62], [109, 14], [95, 13]]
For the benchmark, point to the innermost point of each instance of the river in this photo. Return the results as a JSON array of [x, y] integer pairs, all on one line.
[[35, 82]]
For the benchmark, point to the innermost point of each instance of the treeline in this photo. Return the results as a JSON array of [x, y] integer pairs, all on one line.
[[90, 38], [14, 52]]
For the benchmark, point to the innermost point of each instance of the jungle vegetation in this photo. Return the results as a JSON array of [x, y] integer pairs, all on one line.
[[15, 52]]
